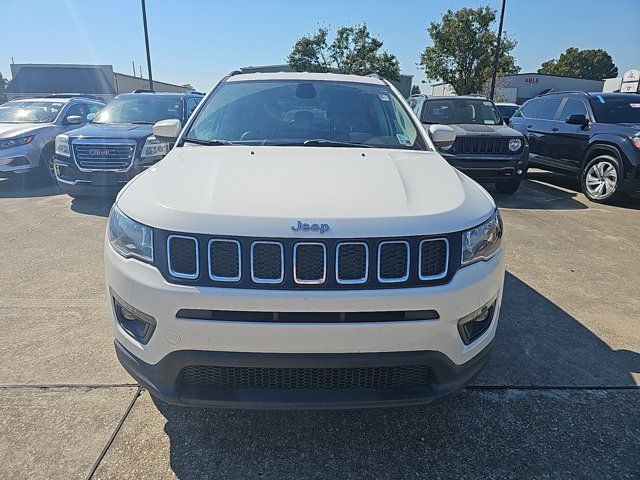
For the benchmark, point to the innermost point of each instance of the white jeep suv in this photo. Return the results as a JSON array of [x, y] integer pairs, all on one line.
[[303, 245]]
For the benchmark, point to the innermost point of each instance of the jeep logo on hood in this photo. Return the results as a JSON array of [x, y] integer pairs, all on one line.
[[310, 227]]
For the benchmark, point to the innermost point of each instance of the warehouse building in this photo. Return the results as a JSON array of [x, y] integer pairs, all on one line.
[[38, 80]]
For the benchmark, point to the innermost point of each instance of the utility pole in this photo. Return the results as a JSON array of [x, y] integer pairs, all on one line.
[[133, 64], [497, 54], [146, 41]]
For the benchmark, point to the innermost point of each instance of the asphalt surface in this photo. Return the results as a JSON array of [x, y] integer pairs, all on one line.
[[559, 399]]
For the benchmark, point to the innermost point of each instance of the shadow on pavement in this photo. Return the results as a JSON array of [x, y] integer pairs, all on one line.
[[479, 432], [25, 186], [98, 206], [537, 196]]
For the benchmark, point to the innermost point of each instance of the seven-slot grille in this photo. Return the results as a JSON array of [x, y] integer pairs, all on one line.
[[282, 378], [287, 263], [481, 145], [104, 156]]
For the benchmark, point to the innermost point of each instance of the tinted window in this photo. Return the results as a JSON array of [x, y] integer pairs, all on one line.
[[92, 107], [573, 106], [76, 109], [460, 111], [549, 108], [290, 112], [507, 110], [618, 109], [145, 110], [529, 108], [192, 103]]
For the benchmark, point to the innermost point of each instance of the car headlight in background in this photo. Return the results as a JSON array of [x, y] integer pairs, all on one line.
[[130, 238], [155, 148], [636, 142], [62, 146], [483, 241], [15, 142], [515, 144]]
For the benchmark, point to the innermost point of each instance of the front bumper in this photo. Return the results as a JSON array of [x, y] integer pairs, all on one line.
[[20, 159], [177, 342], [487, 168]]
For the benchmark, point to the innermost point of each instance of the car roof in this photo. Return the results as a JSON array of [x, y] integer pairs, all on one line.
[[507, 104], [331, 77], [152, 94], [43, 99]]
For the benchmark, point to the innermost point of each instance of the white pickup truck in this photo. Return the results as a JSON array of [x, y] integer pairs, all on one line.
[[303, 245]]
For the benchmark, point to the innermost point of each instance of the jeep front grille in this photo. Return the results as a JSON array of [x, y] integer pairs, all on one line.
[[244, 262], [91, 156], [481, 145]]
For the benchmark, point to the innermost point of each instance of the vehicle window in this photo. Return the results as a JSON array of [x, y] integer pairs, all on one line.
[[93, 107], [549, 108], [616, 109], [573, 106], [507, 110], [460, 111], [529, 108], [29, 112], [290, 112], [76, 109], [192, 103], [143, 110]]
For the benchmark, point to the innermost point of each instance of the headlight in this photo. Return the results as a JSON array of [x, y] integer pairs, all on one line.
[[481, 242], [515, 144], [636, 142], [155, 148], [15, 142], [62, 146], [130, 238]]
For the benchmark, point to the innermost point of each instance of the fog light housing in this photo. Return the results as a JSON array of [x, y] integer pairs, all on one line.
[[471, 326], [137, 324]]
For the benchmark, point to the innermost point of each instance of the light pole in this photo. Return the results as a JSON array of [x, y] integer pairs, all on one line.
[[146, 42], [497, 54]]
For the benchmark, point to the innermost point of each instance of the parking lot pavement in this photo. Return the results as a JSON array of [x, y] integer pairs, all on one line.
[[559, 397]]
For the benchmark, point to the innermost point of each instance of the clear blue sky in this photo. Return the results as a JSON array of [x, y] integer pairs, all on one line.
[[199, 41]]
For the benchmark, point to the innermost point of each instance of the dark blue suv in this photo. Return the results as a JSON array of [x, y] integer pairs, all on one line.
[[118, 143], [594, 136]]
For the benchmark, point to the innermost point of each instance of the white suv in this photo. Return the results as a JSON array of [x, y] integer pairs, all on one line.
[[303, 245]]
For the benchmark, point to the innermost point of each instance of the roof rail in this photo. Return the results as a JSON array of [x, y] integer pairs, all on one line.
[[195, 92], [142, 90], [71, 95], [554, 92], [375, 75], [234, 72]]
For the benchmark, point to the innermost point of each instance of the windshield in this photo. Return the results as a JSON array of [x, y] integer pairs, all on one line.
[[507, 110], [29, 112], [461, 111], [319, 113], [623, 109], [140, 110]]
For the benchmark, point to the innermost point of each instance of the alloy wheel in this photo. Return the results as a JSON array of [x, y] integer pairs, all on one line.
[[601, 180]]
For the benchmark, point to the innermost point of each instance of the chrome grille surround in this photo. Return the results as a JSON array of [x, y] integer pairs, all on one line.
[[177, 274], [256, 279], [404, 277], [446, 259], [366, 271], [121, 161], [210, 266], [317, 281]]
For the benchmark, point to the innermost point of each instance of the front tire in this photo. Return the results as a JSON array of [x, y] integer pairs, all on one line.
[[508, 188], [601, 179]]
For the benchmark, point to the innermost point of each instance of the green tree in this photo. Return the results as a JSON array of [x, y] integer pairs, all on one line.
[[594, 64], [3, 86], [353, 51], [188, 86], [415, 90], [464, 45]]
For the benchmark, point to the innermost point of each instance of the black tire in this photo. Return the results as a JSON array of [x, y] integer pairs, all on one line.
[[607, 176], [45, 169], [510, 187]]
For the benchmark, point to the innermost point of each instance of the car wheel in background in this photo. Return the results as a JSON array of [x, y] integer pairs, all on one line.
[[510, 187], [45, 169], [601, 179]]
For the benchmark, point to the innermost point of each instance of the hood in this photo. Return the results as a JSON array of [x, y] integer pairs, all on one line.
[[475, 130], [10, 130], [263, 191], [112, 130]]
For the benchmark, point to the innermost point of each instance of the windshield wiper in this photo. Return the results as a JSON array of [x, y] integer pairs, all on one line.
[[142, 122], [208, 142], [322, 142]]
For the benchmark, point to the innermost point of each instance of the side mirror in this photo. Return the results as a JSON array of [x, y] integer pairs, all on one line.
[[442, 136], [577, 119], [90, 116], [167, 130], [73, 120]]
